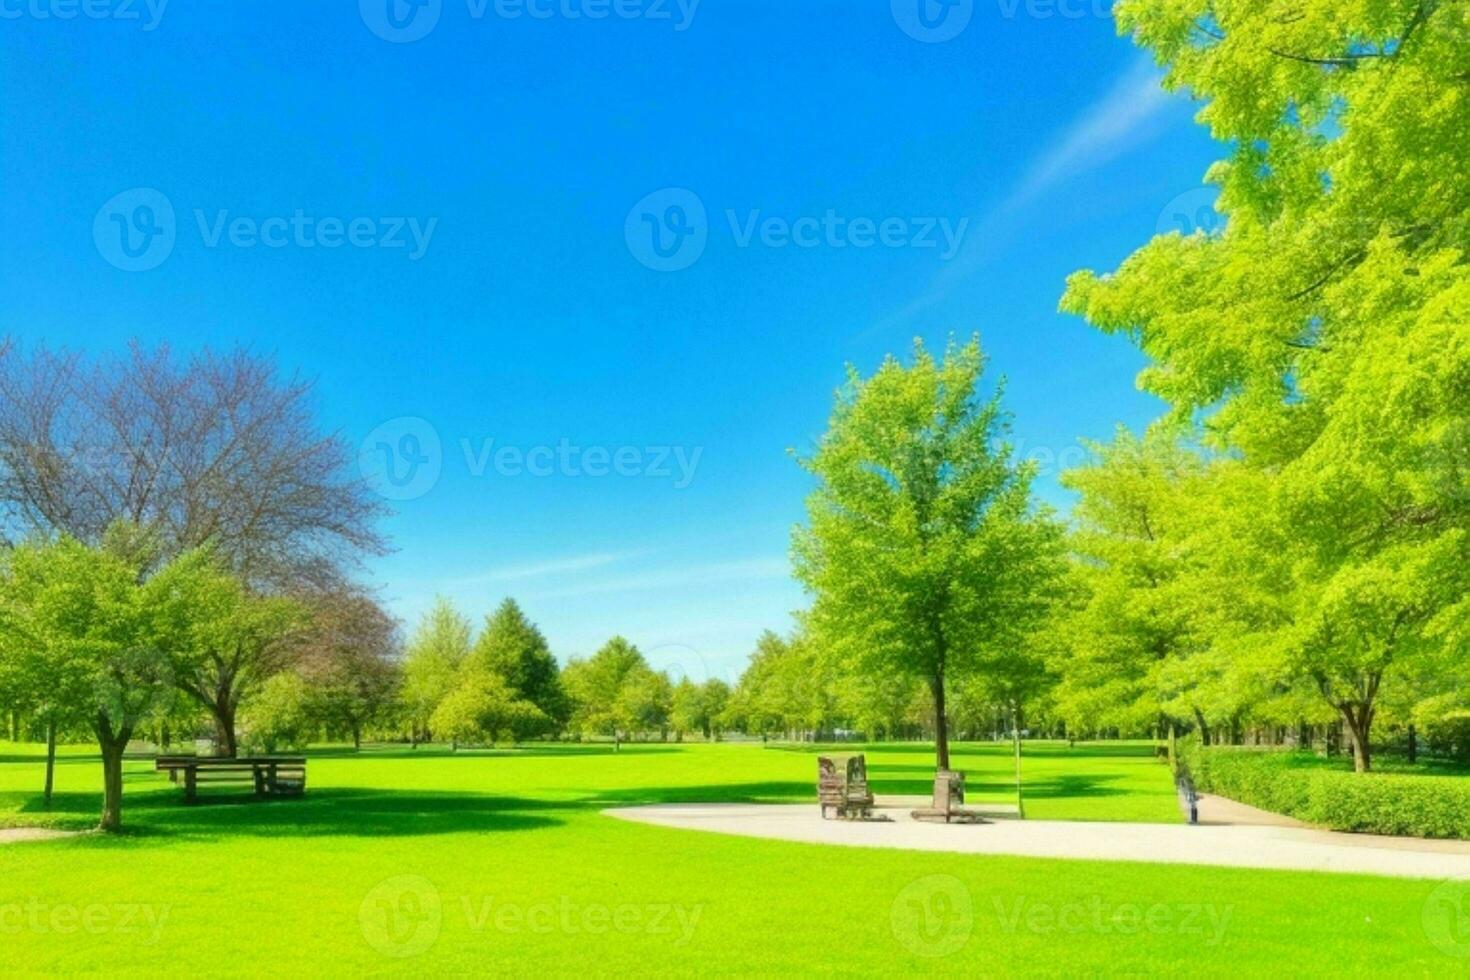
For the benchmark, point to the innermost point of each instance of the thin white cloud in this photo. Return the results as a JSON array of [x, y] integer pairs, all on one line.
[[555, 566], [755, 569], [1127, 115], [1131, 112]]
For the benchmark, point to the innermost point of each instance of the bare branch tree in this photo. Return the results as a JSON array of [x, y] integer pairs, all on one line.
[[215, 449]]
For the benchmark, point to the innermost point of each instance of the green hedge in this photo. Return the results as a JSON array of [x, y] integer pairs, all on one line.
[[1303, 786]]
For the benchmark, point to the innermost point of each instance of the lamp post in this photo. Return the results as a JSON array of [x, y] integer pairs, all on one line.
[[1016, 738]]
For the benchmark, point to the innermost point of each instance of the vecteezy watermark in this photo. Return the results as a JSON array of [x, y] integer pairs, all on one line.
[[403, 458], [404, 21], [668, 230], [1097, 915], [568, 459], [657, 919], [1045, 460], [95, 919], [1446, 918], [137, 230], [933, 916], [148, 13], [932, 21], [1190, 213], [1047, 9], [403, 917]]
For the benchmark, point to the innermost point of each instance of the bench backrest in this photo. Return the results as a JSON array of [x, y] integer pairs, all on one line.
[[949, 789]]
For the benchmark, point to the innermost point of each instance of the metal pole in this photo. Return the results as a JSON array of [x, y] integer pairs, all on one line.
[[1016, 737]]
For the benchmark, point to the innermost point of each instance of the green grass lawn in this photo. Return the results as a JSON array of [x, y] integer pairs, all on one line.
[[427, 862]]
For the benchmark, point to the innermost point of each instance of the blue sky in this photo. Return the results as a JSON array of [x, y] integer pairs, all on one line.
[[453, 236]]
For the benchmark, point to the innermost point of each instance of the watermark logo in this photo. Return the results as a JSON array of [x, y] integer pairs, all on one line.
[[401, 459], [933, 916], [135, 230], [119, 10], [400, 21], [932, 21], [670, 921], [667, 230], [401, 916], [96, 919], [571, 460], [1446, 918], [1100, 916], [1047, 9], [1192, 212]]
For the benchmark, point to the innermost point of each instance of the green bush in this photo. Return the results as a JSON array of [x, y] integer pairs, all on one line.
[[1303, 786]]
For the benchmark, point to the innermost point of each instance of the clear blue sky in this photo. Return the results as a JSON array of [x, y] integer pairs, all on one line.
[[532, 316]]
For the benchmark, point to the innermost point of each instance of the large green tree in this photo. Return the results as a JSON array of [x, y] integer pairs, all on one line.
[[610, 691], [439, 646], [89, 619], [1321, 336], [923, 549], [512, 646], [225, 640]]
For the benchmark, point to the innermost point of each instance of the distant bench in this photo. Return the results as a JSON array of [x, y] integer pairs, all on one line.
[[275, 775]]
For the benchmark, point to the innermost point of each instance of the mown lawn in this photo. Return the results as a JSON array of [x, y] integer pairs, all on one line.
[[402, 862]]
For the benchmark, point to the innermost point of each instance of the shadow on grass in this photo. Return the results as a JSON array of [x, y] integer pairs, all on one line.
[[321, 813], [438, 753]]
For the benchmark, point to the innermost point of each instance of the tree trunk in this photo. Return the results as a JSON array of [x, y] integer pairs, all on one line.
[[50, 759], [224, 727], [1413, 745], [15, 724], [1358, 719], [1204, 728], [357, 738], [113, 744], [111, 788], [941, 723]]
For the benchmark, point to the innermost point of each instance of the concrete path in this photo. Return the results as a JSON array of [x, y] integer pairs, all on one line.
[[1232, 845], [15, 835]]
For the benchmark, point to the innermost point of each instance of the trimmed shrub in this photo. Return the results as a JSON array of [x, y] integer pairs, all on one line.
[[1301, 785]]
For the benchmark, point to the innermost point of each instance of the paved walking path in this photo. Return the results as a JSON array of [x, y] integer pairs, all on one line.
[[14, 835], [1219, 843]]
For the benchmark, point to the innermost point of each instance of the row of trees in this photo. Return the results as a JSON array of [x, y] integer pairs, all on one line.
[[175, 535], [504, 683], [117, 639], [1293, 541], [1290, 545]]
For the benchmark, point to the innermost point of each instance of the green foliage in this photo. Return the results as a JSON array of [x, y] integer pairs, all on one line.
[[93, 637], [922, 549], [1302, 786], [438, 647], [483, 707], [596, 689], [511, 646], [223, 640], [279, 717], [1320, 343]]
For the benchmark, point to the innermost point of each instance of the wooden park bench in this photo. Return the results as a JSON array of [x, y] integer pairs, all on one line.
[[270, 775], [842, 786], [949, 795]]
